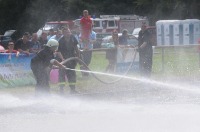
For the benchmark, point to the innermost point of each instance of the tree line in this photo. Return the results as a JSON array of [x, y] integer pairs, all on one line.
[[30, 15]]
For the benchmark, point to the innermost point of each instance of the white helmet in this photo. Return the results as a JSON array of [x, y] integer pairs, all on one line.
[[52, 42]]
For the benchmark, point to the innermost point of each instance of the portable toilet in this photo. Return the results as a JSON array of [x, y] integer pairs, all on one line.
[[176, 32], [160, 32], [186, 39], [196, 31], [165, 32], [167, 28], [190, 31]]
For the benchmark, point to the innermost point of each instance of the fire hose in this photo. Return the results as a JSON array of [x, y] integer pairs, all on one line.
[[94, 73]]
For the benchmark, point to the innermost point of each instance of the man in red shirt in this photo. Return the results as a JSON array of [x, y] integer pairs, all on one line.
[[86, 28]]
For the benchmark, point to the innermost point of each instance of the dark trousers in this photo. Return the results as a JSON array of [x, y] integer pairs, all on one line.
[[71, 75], [86, 57], [41, 75], [145, 62]]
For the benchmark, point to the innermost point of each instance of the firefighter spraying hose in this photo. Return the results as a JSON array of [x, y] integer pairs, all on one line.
[[40, 66], [45, 58]]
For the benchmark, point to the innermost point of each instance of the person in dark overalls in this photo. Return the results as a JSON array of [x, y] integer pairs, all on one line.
[[68, 48], [40, 66], [145, 52]]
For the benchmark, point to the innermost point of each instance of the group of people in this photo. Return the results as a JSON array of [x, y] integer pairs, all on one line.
[[60, 47], [53, 48], [52, 55], [29, 43]]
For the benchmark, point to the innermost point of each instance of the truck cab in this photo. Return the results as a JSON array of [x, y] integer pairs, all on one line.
[[55, 25]]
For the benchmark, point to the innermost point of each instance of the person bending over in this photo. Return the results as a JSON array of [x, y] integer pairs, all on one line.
[[40, 66]]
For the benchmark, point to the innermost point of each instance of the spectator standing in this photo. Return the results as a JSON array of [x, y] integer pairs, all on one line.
[[124, 37], [145, 52], [35, 44], [86, 28], [57, 36], [86, 55], [68, 48], [10, 49], [23, 44], [76, 35], [2, 49], [111, 54], [43, 39], [40, 64], [50, 34]]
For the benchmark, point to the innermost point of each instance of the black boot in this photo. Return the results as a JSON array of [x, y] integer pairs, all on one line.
[[61, 91], [72, 90]]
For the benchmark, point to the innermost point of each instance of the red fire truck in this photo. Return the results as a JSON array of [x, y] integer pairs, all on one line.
[[104, 25], [107, 23]]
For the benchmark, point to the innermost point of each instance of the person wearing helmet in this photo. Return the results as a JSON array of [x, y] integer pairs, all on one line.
[[40, 65]]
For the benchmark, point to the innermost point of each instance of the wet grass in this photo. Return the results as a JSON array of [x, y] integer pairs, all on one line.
[[177, 62], [182, 63]]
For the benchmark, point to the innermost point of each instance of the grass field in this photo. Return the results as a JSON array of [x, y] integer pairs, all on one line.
[[177, 62], [173, 63]]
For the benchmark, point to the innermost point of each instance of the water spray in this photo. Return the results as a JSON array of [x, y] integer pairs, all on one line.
[[93, 73]]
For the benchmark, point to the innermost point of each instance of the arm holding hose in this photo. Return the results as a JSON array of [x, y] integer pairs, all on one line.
[[55, 63], [144, 44], [78, 54]]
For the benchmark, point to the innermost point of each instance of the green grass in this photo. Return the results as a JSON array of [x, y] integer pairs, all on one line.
[[99, 61], [178, 63]]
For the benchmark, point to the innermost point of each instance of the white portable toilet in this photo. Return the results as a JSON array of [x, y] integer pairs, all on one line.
[[190, 31], [186, 39], [196, 31], [160, 33], [165, 32], [176, 32], [166, 25], [169, 31]]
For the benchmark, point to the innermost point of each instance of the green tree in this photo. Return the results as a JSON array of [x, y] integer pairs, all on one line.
[[30, 15]]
